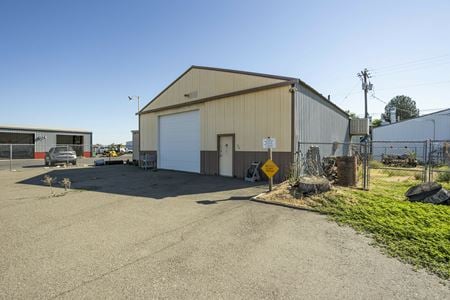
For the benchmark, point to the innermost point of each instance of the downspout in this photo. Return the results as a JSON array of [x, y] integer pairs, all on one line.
[[293, 90], [92, 144], [140, 140]]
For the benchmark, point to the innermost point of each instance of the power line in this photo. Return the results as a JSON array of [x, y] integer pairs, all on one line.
[[375, 97], [425, 109], [413, 62], [413, 66], [431, 109], [381, 100], [349, 93], [410, 68], [352, 92], [414, 85], [421, 110]]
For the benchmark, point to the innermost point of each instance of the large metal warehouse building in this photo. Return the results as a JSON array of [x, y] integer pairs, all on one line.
[[212, 121], [31, 142], [409, 135]]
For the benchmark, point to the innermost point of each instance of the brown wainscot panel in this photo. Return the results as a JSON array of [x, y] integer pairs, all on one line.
[[143, 153], [209, 162], [151, 152], [243, 159]]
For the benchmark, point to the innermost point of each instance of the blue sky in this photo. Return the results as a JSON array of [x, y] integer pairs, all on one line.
[[73, 63]]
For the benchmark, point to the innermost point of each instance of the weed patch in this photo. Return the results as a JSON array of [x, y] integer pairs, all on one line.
[[443, 177], [417, 233]]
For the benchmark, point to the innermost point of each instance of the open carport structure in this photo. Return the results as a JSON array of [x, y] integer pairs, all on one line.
[[34, 142]]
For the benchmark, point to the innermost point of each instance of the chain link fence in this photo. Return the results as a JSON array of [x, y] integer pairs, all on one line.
[[16, 156], [351, 164], [424, 160], [399, 158], [439, 160], [342, 163]]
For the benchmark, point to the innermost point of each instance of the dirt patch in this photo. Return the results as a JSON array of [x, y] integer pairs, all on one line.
[[285, 194], [288, 195]]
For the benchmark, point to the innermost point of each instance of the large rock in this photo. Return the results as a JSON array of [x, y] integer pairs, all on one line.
[[421, 191], [441, 197], [430, 192]]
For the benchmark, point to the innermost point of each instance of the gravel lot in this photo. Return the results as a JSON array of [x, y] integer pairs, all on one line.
[[122, 232]]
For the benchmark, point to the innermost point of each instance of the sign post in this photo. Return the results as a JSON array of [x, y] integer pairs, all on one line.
[[271, 178], [270, 168], [10, 156]]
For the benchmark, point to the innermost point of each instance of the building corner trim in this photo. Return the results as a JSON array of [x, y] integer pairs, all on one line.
[[293, 91]]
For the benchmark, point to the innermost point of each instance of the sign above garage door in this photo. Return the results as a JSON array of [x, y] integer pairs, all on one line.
[[179, 142]]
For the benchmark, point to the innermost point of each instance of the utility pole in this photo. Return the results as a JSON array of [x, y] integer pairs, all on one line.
[[364, 75]]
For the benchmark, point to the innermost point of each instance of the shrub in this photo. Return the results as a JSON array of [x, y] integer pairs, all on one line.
[[418, 175], [66, 183], [391, 173], [443, 177], [374, 164], [48, 180]]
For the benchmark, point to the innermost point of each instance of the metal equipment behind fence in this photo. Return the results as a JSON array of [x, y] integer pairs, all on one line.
[[424, 160], [340, 162]]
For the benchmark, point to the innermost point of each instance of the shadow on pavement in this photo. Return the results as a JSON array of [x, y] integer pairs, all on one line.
[[233, 198], [132, 181], [33, 166]]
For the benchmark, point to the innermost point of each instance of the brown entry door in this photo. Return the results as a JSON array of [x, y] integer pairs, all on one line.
[[226, 155]]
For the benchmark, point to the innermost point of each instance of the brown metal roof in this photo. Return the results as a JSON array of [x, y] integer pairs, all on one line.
[[33, 128]]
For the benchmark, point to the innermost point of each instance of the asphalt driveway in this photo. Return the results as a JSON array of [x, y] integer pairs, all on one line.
[[122, 232]]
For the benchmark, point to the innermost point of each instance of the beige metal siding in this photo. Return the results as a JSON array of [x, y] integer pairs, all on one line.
[[147, 132], [207, 83], [135, 134], [251, 117]]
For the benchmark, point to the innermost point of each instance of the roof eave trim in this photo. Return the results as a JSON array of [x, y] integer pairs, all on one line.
[[218, 70], [401, 121]]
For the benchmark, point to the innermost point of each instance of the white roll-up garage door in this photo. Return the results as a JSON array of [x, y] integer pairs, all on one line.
[[179, 142]]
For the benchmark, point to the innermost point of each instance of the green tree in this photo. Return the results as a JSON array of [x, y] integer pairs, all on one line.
[[376, 122], [352, 115], [406, 108]]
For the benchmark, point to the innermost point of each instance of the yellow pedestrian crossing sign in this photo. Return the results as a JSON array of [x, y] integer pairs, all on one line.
[[270, 168]]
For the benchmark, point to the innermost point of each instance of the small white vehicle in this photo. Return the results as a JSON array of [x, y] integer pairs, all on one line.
[[123, 150], [61, 154], [102, 150]]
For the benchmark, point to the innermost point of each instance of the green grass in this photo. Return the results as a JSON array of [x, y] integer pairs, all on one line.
[[443, 176], [416, 233], [376, 164], [396, 171], [392, 173]]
